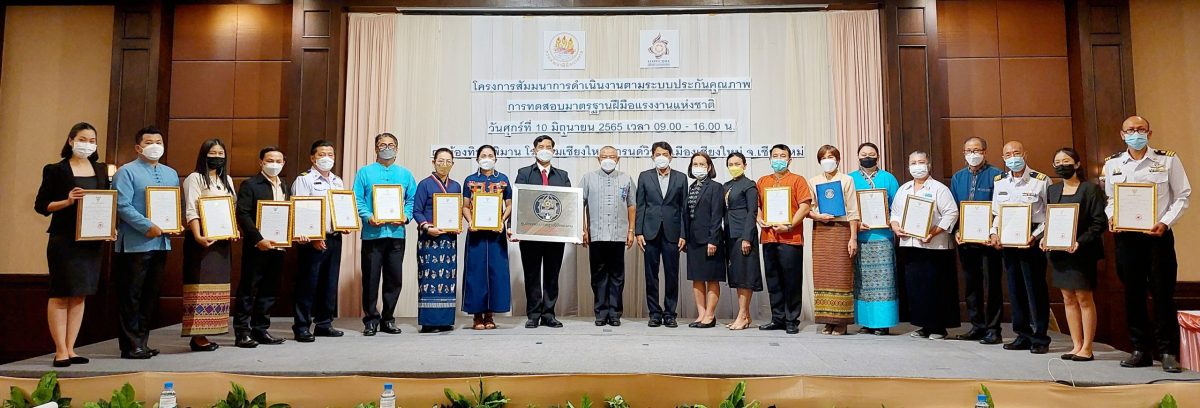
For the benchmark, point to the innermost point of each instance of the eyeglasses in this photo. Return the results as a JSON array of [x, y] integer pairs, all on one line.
[[387, 146], [969, 151], [443, 162]]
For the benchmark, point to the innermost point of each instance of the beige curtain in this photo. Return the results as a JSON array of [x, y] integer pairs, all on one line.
[[370, 61], [857, 81]]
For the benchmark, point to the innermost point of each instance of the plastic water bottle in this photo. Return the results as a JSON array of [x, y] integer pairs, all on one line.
[[981, 401], [167, 398], [388, 398]]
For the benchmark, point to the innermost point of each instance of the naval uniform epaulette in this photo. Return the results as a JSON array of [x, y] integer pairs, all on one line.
[[1037, 175], [303, 174], [1000, 176], [1115, 155], [1168, 153]]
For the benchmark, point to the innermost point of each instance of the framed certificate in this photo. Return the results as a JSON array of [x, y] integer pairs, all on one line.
[[162, 208], [777, 206], [275, 222], [344, 210], [217, 218], [387, 201], [1061, 222], [309, 218], [873, 207], [975, 221], [96, 216], [487, 210], [917, 217], [1135, 206], [1015, 225], [447, 212], [547, 213]]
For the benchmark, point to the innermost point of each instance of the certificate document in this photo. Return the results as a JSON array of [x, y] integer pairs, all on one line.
[[486, 211], [275, 222], [216, 217], [309, 220], [1136, 206], [1015, 225], [777, 206], [344, 210], [830, 200], [162, 208], [1061, 220], [96, 216], [975, 221], [447, 212], [917, 217], [387, 201], [873, 207]]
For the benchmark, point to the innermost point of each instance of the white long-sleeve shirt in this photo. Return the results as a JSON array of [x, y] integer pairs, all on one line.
[[945, 213]]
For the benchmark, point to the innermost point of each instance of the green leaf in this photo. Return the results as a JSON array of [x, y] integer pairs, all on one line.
[[46, 388], [1168, 401], [280, 405], [17, 398], [260, 401], [991, 403]]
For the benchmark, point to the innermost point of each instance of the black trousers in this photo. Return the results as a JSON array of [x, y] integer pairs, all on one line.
[[983, 278], [784, 266], [668, 251], [317, 284], [382, 259], [257, 288], [139, 280], [608, 278], [1147, 265], [1028, 293], [541, 262]]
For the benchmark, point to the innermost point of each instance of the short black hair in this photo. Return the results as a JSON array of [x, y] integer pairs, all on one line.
[[540, 138], [443, 149], [661, 145], [783, 147], [868, 144], [67, 152], [319, 144], [712, 173], [386, 134], [148, 130], [479, 151], [738, 155], [262, 154]]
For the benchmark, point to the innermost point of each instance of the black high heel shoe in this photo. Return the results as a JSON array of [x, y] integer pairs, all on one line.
[[61, 363], [79, 360], [708, 325], [211, 346]]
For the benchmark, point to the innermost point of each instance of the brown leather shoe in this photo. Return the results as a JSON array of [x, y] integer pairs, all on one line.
[[488, 323], [478, 323]]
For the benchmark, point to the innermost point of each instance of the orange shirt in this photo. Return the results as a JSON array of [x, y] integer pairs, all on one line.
[[800, 195]]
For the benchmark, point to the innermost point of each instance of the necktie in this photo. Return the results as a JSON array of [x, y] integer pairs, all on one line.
[[545, 178]]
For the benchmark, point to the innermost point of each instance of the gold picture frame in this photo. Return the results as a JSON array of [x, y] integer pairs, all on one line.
[[962, 212], [1117, 205], [204, 217], [375, 202], [928, 216], [458, 218], [858, 196], [333, 211], [290, 221], [112, 236], [1074, 225], [178, 214], [1028, 224], [791, 211], [324, 216], [499, 211]]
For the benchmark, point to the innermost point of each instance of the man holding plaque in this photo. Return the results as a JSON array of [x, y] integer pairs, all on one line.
[[141, 247], [542, 260], [316, 281], [383, 241], [609, 208], [658, 228], [1025, 264], [262, 261], [1146, 259], [982, 265], [783, 243]]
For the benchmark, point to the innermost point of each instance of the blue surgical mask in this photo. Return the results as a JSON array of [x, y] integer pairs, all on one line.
[[778, 165], [1015, 163], [1136, 140]]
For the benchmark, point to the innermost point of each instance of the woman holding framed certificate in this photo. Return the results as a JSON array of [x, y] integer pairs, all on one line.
[[438, 210], [922, 215], [834, 242], [1073, 246], [876, 305], [485, 284], [74, 265], [207, 261]]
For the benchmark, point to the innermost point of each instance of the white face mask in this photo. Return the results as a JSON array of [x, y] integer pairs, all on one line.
[[487, 164], [153, 152], [699, 172], [918, 170], [545, 155], [272, 169], [325, 163], [661, 162], [974, 159], [829, 165], [608, 165], [83, 150]]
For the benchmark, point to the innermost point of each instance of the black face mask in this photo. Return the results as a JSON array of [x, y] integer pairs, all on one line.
[[215, 163], [868, 162], [1065, 170]]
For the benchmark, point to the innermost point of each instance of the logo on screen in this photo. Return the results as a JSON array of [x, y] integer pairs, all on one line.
[[563, 50]]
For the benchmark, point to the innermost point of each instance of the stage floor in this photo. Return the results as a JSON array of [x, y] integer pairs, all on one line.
[[581, 347]]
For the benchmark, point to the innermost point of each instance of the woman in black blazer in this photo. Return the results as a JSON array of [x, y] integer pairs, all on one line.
[[705, 242], [741, 234], [74, 266], [1074, 270]]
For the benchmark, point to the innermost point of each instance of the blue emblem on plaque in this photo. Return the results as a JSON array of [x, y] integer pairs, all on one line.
[[547, 207]]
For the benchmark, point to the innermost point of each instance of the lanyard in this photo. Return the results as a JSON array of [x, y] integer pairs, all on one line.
[[439, 182]]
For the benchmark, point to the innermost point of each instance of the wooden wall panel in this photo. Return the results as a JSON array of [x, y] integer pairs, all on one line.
[[960, 129], [316, 77], [205, 32], [263, 32], [202, 89], [967, 29], [1031, 28], [260, 90], [914, 87], [1034, 87], [188, 134], [249, 137], [1041, 137], [976, 82]]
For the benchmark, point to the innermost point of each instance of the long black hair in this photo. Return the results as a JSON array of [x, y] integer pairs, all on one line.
[[79, 127], [202, 164], [1074, 155]]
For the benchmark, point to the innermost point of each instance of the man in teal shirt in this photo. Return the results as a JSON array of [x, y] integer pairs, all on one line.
[[383, 242], [141, 247]]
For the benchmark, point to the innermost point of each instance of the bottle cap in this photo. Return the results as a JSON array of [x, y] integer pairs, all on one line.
[[169, 385], [982, 398], [387, 386]]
